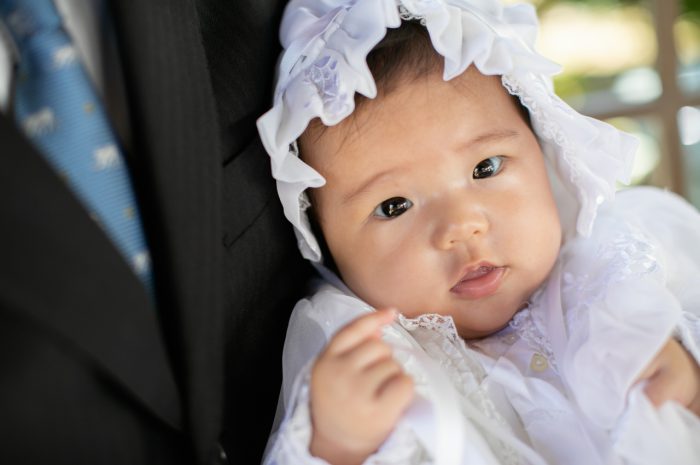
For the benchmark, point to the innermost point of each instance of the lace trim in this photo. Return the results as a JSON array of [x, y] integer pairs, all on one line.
[[548, 129], [406, 15], [442, 343], [444, 325], [323, 75], [506, 453], [528, 327]]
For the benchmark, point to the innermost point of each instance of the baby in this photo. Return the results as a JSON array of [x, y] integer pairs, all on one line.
[[482, 218]]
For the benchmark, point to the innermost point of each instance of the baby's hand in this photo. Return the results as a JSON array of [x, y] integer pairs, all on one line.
[[673, 375], [358, 392]]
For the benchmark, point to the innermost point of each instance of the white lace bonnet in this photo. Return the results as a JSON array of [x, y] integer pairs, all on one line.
[[326, 43]]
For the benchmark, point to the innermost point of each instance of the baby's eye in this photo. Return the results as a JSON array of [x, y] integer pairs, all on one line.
[[393, 207], [487, 168]]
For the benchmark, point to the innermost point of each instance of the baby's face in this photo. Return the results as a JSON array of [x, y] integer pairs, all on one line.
[[437, 201]]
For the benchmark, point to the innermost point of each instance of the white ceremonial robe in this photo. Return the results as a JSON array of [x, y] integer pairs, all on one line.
[[558, 385]]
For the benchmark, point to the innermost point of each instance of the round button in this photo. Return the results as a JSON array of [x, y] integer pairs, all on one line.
[[538, 363]]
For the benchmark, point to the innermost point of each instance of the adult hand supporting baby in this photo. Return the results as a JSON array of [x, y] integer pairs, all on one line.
[[673, 375], [358, 392]]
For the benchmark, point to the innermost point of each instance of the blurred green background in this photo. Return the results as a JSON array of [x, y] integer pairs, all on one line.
[[635, 64]]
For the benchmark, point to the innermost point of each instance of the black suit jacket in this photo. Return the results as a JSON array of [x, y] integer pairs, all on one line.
[[92, 370]]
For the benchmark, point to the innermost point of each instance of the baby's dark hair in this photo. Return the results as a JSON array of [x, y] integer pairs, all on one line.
[[404, 54]]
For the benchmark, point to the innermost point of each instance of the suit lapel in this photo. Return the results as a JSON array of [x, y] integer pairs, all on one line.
[[176, 152], [60, 269]]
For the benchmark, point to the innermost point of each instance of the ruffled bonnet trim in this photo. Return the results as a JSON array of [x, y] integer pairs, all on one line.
[[324, 64]]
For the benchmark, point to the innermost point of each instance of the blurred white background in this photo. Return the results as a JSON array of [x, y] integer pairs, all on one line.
[[635, 64]]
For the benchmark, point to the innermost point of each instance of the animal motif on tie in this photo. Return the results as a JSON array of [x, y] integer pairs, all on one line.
[[107, 157], [142, 262], [65, 56], [40, 123]]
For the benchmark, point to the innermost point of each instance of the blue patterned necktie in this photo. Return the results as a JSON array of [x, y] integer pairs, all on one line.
[[58, 109]]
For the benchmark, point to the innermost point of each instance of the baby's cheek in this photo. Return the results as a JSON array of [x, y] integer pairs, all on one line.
[[390, 283], [544, 253]]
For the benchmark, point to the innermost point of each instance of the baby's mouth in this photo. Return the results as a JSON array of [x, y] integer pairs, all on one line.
[[479, 281]]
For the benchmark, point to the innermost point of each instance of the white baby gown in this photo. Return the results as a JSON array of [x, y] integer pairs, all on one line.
[[558, 384]]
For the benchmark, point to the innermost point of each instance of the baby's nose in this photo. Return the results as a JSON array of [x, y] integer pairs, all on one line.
[[460, 222]]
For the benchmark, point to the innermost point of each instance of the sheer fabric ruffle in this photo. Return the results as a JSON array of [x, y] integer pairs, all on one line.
[[324, 65]]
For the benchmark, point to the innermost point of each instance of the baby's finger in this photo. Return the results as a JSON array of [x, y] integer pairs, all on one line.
[[360, 329], [396, 393], [375, 376], [368, 352]]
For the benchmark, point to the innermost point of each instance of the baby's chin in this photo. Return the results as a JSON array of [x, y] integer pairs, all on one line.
[[487, 328], [474, 334]]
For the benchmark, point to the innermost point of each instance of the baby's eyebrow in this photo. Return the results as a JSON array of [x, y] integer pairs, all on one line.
[[366, 185], [490, 136]]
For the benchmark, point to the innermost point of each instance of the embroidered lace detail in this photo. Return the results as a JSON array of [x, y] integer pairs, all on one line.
[[628, 255], [438, 336], [530, 329], [323, 74], [444, 325], [406, 15], [549, 129]]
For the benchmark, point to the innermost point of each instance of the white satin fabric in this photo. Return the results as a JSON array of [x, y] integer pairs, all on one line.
[[558, 385]]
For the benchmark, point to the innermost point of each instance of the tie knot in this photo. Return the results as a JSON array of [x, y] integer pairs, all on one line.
[[27, 18]]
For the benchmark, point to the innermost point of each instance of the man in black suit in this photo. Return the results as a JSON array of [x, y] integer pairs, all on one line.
[[92, 369]]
